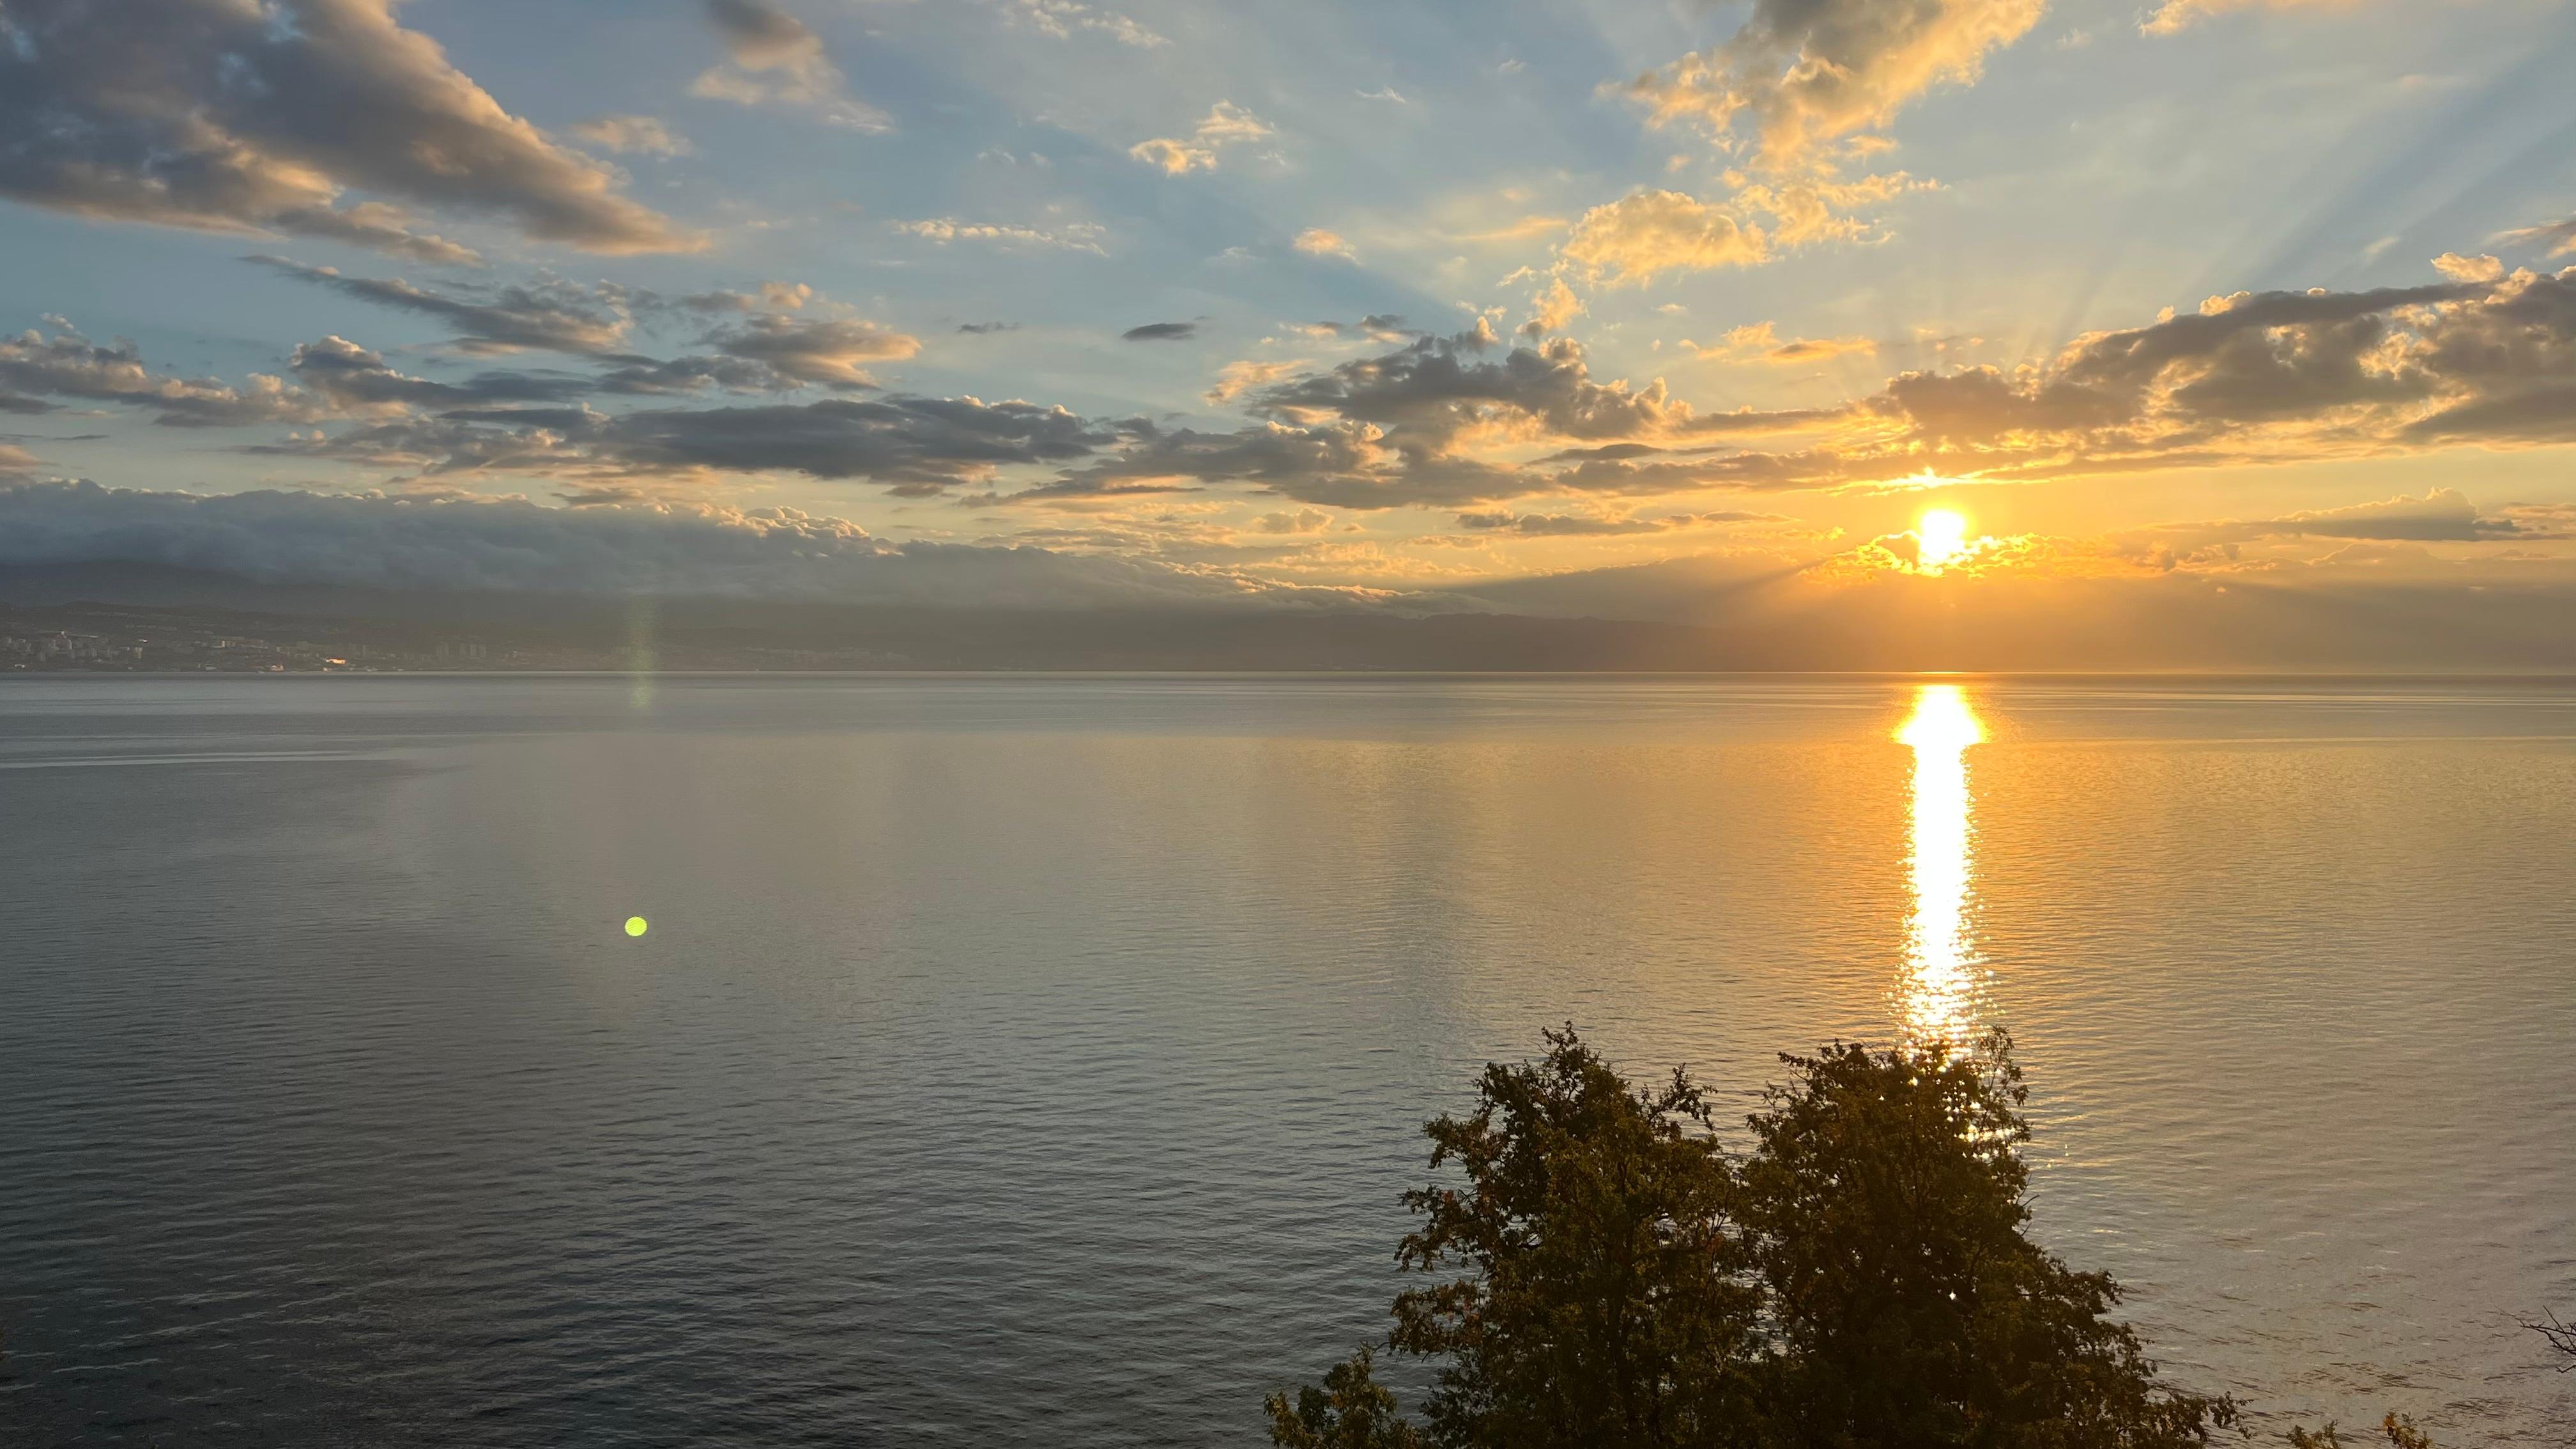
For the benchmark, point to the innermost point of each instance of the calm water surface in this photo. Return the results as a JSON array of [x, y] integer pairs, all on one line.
[[1038, 1060]]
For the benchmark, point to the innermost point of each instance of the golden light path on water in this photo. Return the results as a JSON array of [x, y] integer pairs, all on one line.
[[1939, 990]]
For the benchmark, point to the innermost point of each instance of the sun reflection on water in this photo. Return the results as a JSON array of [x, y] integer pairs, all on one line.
[[1940, 990]]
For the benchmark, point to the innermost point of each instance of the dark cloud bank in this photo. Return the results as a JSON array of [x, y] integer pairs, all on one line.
[[456, 545]]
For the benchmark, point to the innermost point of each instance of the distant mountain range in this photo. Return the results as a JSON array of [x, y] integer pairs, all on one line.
[[1536, 625]]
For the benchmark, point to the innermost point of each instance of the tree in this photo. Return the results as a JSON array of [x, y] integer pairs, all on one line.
[[1351, 1411], [2562, 1340], [2399, 1430], [1884, 1208], [1603, 1303], [1609, 1276]]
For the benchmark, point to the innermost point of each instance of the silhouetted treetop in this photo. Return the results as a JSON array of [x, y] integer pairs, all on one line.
[[1596, 1289], [1608, 1275]]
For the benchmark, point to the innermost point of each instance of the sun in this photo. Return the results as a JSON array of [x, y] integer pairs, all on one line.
[[1940, 537]]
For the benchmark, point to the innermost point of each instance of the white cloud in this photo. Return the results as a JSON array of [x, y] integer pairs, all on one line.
[[2468, 269], [1080, 236], [641, 135], [1761, 342], [2177, 15], [1236, 378], [1226, 124], [1061, 18], [1315, 241], [2558, 236], [1645, 233], [1174, 158]]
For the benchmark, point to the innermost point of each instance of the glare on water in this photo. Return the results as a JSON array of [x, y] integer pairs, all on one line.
[[1941, 982]]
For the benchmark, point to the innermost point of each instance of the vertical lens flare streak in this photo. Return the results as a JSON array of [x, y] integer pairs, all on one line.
[[1938, 996]]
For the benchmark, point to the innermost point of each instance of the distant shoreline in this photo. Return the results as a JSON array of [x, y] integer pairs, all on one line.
[[1855, 676]]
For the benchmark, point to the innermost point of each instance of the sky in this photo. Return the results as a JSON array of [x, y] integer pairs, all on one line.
[[1388, 303]]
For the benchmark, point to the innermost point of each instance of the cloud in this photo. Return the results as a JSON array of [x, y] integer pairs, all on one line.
[[1381, 433], [1314, 241], [341, 379], [1528, 228], [2383, 537], [1161, 332], [2539, 520], [553, 315], [2248, 379], [1801, 89], [917, 446], [822, 351], [696, 373], [2558, 236], [1377, 327], [1174, 158], [222, 115], [1304, 520], [1438, 389], [1800, 75], [641, 135], [2443, 515], [1416, 428], [1646, 233], [769, 351], [14, 459], [2468, 269], [772, 297], [1467, 421], [1061, 18], [1081, 236], [373, 540], [1560, 525], [2173, 16], [775, 60], [1236, 378], [68, 364], [982, 329], [1758, 342], [1226, 124], [357, 380], [1552, 308]]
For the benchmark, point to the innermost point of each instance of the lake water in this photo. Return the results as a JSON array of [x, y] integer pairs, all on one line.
[[1037, 1060]]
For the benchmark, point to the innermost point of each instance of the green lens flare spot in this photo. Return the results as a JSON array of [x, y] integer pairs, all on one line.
[[635, 925]]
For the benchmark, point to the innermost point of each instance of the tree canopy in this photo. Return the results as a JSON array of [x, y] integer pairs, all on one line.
[[1610, 1276]]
